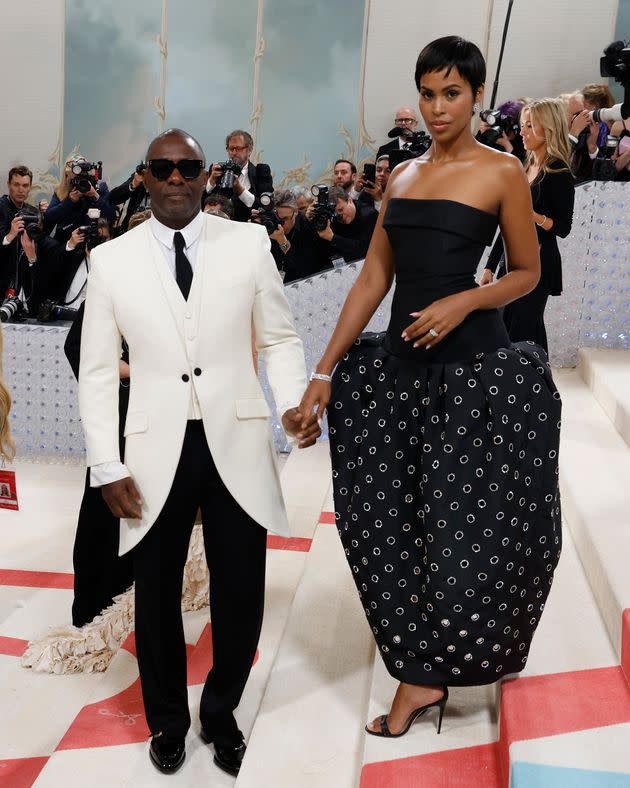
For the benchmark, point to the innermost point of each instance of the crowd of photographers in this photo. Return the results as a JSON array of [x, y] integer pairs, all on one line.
[[45, 249]]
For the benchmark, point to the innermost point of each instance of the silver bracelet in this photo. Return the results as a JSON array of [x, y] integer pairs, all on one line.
[[320, 376]]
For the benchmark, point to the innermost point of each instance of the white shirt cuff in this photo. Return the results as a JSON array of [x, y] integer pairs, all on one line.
[[247, 198], [594, 154], [573, 139], [107, 472], [5, 242], [354, 194]]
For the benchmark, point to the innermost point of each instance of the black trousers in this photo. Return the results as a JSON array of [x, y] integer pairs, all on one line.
[[236, 554], [524, 318], [99, 572]]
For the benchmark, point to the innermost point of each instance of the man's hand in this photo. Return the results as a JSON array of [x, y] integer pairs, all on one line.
[[29, 247], [505, 143], [326, 233], [278, 235], [17, 226], [238, 187], [137, 180], [580, 122], [124, 370], [216, 173], [77, 237], [123, 499], [305, 428], [43, 206]]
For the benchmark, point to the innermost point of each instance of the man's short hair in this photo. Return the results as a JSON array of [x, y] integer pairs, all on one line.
[[220, 200], [21, 170], [284, 198], [176, 133], [249, 140], [353, 166], [337, 193]]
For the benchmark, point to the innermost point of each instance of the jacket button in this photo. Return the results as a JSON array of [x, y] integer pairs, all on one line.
[[197, 371], [185, 378]]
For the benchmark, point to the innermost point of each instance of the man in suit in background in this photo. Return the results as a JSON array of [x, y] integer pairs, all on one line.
[[253, 181], [185, 289], [405, 118]]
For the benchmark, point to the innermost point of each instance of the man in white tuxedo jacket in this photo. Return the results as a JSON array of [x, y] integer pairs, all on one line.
[[183, 289]]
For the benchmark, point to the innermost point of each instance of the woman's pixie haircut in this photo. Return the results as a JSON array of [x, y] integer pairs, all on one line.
[[453, 52]]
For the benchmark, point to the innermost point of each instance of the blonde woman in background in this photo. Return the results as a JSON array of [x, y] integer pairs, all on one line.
[[546, 140], [7, 449]]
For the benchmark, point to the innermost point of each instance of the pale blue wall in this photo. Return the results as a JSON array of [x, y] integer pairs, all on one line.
[[309, 78]]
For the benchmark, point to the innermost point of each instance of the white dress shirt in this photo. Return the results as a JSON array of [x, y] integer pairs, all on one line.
[[108, 472], [76, 292]]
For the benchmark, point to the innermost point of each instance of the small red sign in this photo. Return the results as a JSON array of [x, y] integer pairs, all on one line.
[[8, 491]]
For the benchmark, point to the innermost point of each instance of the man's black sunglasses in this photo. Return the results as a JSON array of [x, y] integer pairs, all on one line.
[[162, 169]]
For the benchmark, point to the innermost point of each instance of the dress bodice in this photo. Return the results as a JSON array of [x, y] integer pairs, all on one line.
[[437, 247]]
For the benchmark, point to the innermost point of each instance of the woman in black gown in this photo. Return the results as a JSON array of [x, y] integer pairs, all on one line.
[[546, 139], [444, 437]]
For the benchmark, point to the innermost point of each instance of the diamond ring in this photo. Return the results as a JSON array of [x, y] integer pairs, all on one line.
[[434, 333]]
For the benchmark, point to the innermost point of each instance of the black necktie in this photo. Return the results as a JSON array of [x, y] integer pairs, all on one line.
[[183, 269]]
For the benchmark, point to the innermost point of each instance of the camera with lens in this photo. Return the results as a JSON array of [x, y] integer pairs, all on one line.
[[12, 308], [230, 172], [323, 209], [499, 124], [51, 310], [86, 174], [32, 225], [267, 216], [141, 168], [91, 230], [418, 142], [615, 63]]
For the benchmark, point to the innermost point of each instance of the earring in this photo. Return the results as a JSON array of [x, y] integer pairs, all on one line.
[[476, 106]]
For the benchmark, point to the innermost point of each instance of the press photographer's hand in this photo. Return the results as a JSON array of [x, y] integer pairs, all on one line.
[[77, 237], [326, 233], [17, 226]]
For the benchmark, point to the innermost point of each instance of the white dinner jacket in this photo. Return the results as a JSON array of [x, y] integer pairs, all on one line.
[[176, 346]]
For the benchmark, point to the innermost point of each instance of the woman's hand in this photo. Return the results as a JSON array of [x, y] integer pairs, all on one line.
[[75, 195], [486, 277], [315, 400], [441, 316]]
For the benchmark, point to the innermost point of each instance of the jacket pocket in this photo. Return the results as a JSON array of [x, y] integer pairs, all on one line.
[[137, 421], [252, 409]]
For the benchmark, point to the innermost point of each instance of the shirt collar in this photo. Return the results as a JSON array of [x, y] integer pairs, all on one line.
[[165, 234]]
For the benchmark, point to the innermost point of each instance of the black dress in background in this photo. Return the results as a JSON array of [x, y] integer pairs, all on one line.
[[445, 467], [553, 196]]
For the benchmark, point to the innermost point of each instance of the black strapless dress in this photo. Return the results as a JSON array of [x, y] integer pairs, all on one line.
[[445, 467]]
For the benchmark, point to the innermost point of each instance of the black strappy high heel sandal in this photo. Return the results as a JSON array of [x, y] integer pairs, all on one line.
[[415, 714]]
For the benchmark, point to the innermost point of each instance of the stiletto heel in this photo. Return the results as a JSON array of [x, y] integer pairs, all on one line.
[[415, 714]]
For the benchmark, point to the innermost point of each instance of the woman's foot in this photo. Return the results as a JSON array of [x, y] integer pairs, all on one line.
[[408, 698]]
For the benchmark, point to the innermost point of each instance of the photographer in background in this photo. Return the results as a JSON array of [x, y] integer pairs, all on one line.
[[371, 186], [74, 195], [249, 181], [345, 175], [70, 280], [588, 138], [295, 246], [132, 196], [405, 119], [350, 232], [504, 133], [19, 185], [27, 265], [303, 197]]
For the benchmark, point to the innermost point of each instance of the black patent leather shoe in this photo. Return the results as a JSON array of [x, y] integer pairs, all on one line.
[[229, 750], [167, 754]]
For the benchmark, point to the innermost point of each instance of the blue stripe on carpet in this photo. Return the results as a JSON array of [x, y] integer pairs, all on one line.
[[534, 775]]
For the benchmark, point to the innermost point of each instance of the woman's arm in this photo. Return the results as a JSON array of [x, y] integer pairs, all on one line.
[[557, 191], [370, 288], [57, 211]]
